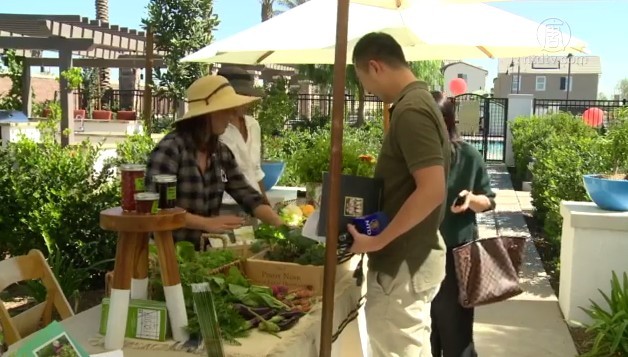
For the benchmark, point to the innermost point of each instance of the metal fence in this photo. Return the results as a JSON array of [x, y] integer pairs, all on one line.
[[312, 105], [481, 121], [577, 107], [116, 100]]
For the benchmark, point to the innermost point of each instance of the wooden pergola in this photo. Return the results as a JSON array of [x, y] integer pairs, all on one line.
[[80, 42]]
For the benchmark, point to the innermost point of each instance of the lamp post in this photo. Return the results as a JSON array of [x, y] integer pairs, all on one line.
[[512, 81], [568, 82], [518, 75]]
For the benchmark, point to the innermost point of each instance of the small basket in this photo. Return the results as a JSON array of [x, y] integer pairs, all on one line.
[[225, 268], [242, 251]]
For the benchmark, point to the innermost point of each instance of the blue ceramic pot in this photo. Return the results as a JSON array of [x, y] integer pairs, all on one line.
[[611, 195], [272, 172]]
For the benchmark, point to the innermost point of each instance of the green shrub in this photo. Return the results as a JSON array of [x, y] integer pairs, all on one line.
[[617, 143], [610, 325], [312, 159], [530, 134], [557, 175], [135, 149], [52, 197]]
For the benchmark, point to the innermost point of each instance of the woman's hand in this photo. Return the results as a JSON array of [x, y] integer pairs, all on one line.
[[223, 224], [465, 205], [476, 203]]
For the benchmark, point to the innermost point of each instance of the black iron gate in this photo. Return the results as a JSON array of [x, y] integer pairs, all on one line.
[[482, 123]]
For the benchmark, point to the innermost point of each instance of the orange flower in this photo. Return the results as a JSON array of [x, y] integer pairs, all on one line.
[[367, 158]]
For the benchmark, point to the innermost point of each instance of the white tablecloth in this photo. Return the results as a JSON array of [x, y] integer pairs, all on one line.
[[302, 340]]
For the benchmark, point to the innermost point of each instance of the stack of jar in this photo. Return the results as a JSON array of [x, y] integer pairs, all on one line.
[[136, 199]]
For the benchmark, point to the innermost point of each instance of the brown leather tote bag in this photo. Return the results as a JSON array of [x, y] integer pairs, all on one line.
[[488, 270]]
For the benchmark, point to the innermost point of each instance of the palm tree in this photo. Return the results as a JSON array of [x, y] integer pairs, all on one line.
[[288, 4], [267, 9], [102, 14]]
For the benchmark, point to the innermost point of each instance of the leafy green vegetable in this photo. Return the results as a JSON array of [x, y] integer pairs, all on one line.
[[195, 267], [286, 245]]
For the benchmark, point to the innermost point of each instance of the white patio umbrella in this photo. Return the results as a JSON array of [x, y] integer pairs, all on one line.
[[426, 29]]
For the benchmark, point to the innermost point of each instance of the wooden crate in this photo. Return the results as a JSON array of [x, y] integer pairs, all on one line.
[[268, 273]]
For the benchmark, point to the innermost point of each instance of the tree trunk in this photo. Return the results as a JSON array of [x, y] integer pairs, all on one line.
[[267, 9], [361, 99], [102, 14]]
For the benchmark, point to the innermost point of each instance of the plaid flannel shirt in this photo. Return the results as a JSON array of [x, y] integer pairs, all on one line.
[[198, 193]]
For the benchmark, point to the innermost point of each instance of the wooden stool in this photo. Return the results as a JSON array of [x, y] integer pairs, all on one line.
[[130, 278]]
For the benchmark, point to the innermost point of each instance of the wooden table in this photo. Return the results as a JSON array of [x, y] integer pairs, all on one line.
[[130, 278]]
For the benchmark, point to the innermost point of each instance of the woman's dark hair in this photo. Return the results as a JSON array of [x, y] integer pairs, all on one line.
[[438, 96], [199, 132], [448, 108]]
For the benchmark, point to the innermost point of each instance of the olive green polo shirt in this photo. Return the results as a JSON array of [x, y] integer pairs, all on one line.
[[417, 138]]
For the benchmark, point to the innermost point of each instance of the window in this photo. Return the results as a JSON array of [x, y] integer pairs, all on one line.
[[540, 83], [563, 83], [516, 84], [463, 76]]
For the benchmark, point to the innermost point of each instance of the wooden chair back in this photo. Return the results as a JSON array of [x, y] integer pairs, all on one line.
[[32, 266]]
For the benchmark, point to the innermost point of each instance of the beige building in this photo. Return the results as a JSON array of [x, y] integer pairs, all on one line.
[[474, 76], [549, 77]]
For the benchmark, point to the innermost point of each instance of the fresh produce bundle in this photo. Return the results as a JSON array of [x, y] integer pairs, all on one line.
[[231, 292], [286, 244], [295, 215], [267, 319]]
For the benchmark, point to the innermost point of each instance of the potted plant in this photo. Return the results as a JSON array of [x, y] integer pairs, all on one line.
[[609, 191], [79, 113], [310, 163], [126, 115], [272, 113], [102, 114]]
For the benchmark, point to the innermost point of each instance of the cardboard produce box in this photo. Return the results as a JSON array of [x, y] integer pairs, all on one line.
[[147, 319], [268, 273]]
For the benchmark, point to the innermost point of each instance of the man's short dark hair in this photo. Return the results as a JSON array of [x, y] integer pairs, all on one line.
[[379, 46]]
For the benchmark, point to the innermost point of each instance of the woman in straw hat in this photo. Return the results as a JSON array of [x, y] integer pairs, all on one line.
[[206, 168], [243, 134]]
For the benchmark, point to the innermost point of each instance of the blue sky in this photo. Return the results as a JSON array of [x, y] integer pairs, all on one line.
[[600, 23]]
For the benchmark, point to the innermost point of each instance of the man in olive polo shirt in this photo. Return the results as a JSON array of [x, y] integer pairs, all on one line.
[[407, 260]]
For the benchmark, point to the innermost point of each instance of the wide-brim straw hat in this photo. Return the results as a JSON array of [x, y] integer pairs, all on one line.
[[211, 94], [242, 81]]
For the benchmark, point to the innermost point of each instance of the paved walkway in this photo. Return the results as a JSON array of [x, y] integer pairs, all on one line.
[[531, 324]]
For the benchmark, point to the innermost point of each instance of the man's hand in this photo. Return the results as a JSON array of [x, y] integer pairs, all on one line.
[[222, 224], [363, 243]]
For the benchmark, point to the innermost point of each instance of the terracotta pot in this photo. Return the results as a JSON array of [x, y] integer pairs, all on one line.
[[46, 113], [102, 114], [79, 114], [126, 115]]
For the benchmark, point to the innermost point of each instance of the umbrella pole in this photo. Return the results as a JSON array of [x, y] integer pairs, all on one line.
[[338, 109]]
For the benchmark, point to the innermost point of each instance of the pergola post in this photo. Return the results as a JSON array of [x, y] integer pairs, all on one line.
[[67, 99], [27, 98], [148, 83]]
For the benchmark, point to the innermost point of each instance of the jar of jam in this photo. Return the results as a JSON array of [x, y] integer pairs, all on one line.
[[132, 182], [146, 202], [166, 187]]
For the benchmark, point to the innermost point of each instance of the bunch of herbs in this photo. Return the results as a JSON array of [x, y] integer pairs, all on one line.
[[288, 245]]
